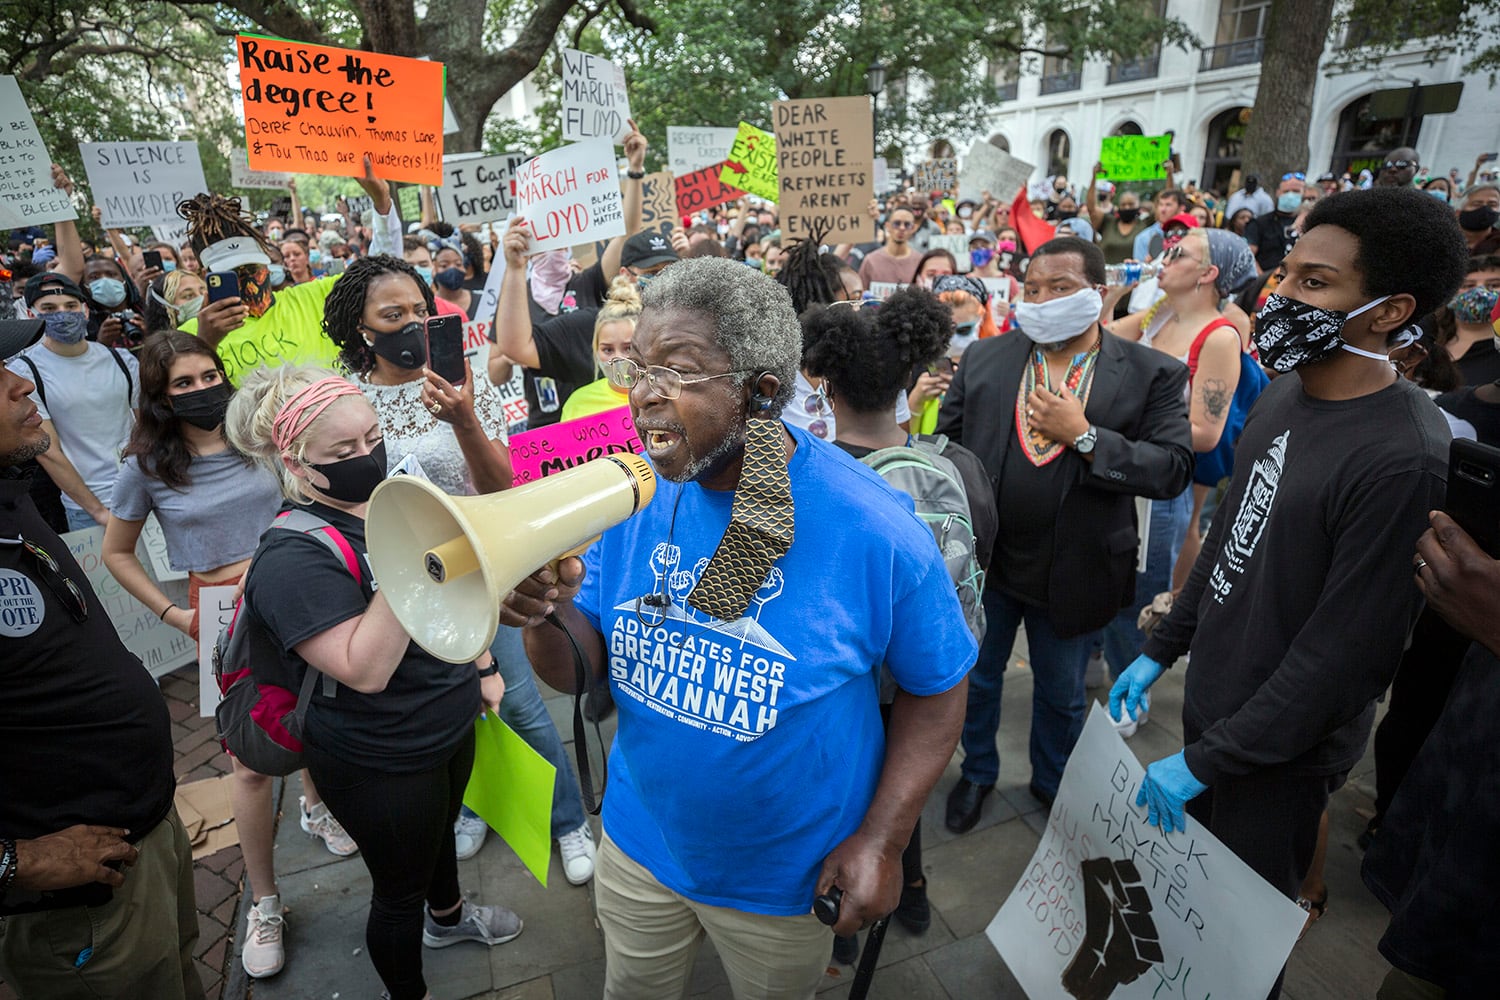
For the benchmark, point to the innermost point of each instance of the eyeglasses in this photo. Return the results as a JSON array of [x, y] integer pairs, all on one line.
[[901, 225], [62, 588], [1295, 175], [665, 382], [1398, 164]]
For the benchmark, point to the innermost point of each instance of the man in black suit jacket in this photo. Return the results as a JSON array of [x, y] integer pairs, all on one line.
[[1101, 421]]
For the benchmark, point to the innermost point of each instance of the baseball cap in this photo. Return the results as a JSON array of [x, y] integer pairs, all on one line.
[[18, 334], [232, 252], [51, 283], [1183, 219], [647, 249], [981, 234]]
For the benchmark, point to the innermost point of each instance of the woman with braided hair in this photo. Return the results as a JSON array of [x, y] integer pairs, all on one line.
[[263, 324]]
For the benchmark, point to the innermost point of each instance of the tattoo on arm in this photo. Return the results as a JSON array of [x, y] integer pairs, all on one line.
[[1215, 397]]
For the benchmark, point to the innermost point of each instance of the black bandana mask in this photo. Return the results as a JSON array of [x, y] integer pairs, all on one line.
[[203, 408], [1290, 334]]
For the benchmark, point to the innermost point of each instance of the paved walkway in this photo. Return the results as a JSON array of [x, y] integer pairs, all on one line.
[[560, 956]]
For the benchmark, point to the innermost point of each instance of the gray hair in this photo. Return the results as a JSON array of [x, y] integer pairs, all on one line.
[[753, 317]]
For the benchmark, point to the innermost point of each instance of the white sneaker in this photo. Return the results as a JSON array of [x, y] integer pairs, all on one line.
[[319, 822], [468, 835], [577, 850], [264, 953], [489, 925]]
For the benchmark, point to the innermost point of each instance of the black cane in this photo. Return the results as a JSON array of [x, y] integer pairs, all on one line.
[[827, 909]]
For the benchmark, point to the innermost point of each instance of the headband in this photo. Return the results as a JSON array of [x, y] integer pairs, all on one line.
[[961, 283], [305, 406]]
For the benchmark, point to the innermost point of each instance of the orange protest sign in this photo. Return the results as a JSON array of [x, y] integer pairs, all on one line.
[[316, 109]]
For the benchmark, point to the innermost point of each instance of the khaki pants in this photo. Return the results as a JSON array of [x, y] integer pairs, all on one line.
[[651, 936], [142, 940]]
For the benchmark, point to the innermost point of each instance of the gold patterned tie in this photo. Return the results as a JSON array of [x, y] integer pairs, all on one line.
[[760, 527]]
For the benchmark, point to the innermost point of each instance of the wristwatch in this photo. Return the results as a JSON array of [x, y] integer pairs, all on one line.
[[1084, 443], [635, 175], [492, 669]]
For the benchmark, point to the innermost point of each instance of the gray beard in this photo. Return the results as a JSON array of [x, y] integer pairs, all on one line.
[[26, 453], [715, 460]]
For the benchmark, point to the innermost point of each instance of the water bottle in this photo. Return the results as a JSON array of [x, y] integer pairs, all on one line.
[[1129, 273]]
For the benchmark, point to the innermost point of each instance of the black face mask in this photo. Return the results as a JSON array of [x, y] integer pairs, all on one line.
[[1064, 213], [1128, 214], [404, 348], [203, 408], [1477, 220], [353, 479], [451, 278]]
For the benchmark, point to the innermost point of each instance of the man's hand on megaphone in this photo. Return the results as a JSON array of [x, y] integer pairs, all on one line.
[[536, 596]]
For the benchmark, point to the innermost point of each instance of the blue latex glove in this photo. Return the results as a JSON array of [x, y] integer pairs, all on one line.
[[1134, 682], [1167, 788]]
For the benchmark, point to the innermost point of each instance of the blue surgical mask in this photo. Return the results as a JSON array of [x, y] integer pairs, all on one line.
[[168, 266], [278, 275], [66, 327], [315, 256], [425, 273], [108, 292], [1288, 202], [1439, 194]]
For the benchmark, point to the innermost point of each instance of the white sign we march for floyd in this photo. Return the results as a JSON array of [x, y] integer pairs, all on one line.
[[1110, 906]]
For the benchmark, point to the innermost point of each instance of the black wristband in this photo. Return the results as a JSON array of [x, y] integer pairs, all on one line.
[[636, 175], [492, 669]]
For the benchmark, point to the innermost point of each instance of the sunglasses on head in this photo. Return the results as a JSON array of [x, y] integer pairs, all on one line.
[[1295, 175]]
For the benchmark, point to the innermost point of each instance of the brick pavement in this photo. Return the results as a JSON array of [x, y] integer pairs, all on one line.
[[218, 878]]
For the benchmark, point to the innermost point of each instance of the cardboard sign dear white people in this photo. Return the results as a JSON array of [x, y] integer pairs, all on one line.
[[27, 197], [479, 189], [570, 196], [825, 152], [594, 103], [1111, 906], [140, 183]]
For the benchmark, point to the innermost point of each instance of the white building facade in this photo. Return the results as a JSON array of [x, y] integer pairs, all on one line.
[[1055, 113]]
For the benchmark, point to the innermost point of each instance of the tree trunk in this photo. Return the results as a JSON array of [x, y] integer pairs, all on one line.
[[1276, 138]]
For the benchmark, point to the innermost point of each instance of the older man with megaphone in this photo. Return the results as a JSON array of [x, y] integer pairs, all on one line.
[[741, 620]]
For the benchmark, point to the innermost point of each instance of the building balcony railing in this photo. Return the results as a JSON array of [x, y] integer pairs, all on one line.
[[1007, 91], [1059, 82], [1245, 52], [1144, 68]]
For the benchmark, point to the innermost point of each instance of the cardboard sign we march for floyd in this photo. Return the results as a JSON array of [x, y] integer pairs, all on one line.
[[570, 196]]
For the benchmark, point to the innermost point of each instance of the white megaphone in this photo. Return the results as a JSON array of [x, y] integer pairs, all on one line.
[[445, 563]]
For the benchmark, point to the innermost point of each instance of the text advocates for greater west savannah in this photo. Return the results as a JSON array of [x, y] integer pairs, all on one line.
[[316, 109], [570, 196]]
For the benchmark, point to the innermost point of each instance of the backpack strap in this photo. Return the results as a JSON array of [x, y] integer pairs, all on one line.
[[124, 370], [1201, 339], [36, 378], [331, 538]]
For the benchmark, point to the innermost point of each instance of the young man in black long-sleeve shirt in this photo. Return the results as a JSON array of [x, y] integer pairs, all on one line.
[[1299, 604]]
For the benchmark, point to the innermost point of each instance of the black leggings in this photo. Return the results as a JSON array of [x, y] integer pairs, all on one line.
[[403, 824]]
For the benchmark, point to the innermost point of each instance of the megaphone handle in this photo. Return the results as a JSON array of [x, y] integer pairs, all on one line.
[[577, 550]]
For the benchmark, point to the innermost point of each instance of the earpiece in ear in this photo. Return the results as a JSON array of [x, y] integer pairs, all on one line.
[[761, 400]]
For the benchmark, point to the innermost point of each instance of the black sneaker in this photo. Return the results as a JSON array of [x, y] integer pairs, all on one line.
[[846, 949], [914, 913]]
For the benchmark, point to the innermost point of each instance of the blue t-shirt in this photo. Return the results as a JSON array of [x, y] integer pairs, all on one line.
[[748, 750]]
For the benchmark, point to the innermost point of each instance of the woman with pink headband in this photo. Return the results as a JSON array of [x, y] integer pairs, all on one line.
[[391, 750]]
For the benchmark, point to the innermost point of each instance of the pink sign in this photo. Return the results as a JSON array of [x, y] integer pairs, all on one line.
[[540, 453]]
